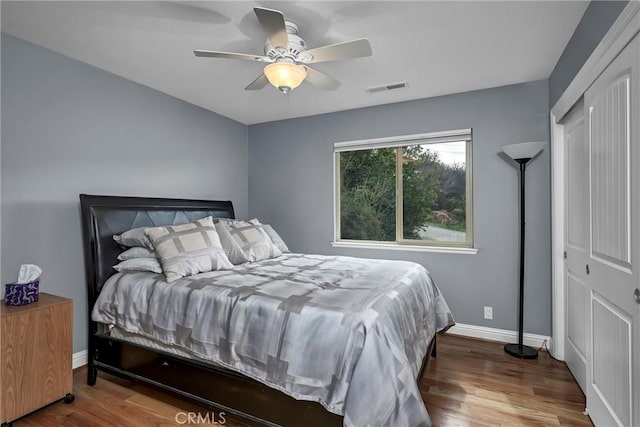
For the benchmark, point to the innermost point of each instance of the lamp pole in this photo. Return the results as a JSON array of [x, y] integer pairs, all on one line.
[[520, 350]]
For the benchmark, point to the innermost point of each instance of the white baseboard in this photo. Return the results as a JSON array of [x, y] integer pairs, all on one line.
[[502, 335], [79, 359]]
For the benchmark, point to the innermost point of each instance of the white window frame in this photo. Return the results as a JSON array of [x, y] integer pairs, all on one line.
[[397, 142]]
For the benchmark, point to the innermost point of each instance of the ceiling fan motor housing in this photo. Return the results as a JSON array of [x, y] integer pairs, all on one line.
[[296, 44]]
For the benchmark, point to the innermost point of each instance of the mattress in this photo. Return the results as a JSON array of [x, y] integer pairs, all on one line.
[[141, 340], [349, 333]]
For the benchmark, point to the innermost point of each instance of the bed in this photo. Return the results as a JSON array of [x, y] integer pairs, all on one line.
[[257, 345]]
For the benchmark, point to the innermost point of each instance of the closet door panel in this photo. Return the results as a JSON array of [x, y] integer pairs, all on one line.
[[613, 354], [576, 243]]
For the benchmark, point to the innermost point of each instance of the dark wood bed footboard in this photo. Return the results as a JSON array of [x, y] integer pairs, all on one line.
[[213, 386], [216, 387], [224, 390]]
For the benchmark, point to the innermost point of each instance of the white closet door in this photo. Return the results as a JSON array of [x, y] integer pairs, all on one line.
[[613, 355], [576, 243]]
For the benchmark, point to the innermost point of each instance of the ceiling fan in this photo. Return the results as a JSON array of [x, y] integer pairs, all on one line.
[[287, 58]]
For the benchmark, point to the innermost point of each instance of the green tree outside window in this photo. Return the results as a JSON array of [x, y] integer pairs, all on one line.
[[433, 186]]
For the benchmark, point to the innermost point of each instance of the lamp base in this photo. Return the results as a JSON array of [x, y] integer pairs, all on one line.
[[521, 351]]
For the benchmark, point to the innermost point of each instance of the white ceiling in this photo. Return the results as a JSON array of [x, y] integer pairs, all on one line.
[[437, 47]]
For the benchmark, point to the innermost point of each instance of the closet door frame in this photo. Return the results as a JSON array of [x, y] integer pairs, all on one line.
[[623, 30]]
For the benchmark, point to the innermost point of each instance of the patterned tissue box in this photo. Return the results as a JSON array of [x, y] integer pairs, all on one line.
[[21, 293]]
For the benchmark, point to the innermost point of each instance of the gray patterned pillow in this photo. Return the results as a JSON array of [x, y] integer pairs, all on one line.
[[231, 248], [188, 249], [254, 241]]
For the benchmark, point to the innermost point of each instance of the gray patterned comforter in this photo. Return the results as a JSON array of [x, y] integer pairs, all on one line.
[[349, 333]]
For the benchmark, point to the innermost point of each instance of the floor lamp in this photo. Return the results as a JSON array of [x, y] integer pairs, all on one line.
[[522, 153]]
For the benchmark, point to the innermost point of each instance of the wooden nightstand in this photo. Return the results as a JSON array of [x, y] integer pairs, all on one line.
[[35, 355]]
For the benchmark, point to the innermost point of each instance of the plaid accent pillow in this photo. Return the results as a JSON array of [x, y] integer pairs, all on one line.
[[188, 249], [231, 248], [254, 241]]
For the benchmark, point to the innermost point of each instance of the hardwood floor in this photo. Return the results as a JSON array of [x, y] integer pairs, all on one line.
[[469, 383], [475, 383]]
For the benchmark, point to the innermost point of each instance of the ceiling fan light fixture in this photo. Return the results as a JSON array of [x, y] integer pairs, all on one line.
[[285, 76]]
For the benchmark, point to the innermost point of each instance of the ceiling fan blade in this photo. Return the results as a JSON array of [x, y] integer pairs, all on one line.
[[333, 52], [229, 55], [258, 83], [272, 22], [321, 80]]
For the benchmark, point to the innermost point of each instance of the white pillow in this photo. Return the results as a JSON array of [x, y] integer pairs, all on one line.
[[139, 264], [254, 241], [275, 238], [226, 221], [134, 237], [136, 252], [188, 249]]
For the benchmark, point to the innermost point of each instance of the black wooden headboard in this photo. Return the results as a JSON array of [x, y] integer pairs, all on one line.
[[104, 216]]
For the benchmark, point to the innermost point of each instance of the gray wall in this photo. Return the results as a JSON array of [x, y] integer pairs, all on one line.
[[69, 128], [291, 187], [595, 23]]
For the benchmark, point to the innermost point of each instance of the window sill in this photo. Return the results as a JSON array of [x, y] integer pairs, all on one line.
[[413, 248]]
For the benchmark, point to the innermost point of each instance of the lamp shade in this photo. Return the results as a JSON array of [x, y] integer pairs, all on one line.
[[285, 76], [524, 150]]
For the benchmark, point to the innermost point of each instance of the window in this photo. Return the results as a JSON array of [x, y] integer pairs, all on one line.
[[411, 190]]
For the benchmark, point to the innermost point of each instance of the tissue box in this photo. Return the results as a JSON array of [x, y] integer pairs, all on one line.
[[21, 293]]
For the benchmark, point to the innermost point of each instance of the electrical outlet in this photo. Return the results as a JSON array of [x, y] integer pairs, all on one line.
[[488, 312]]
